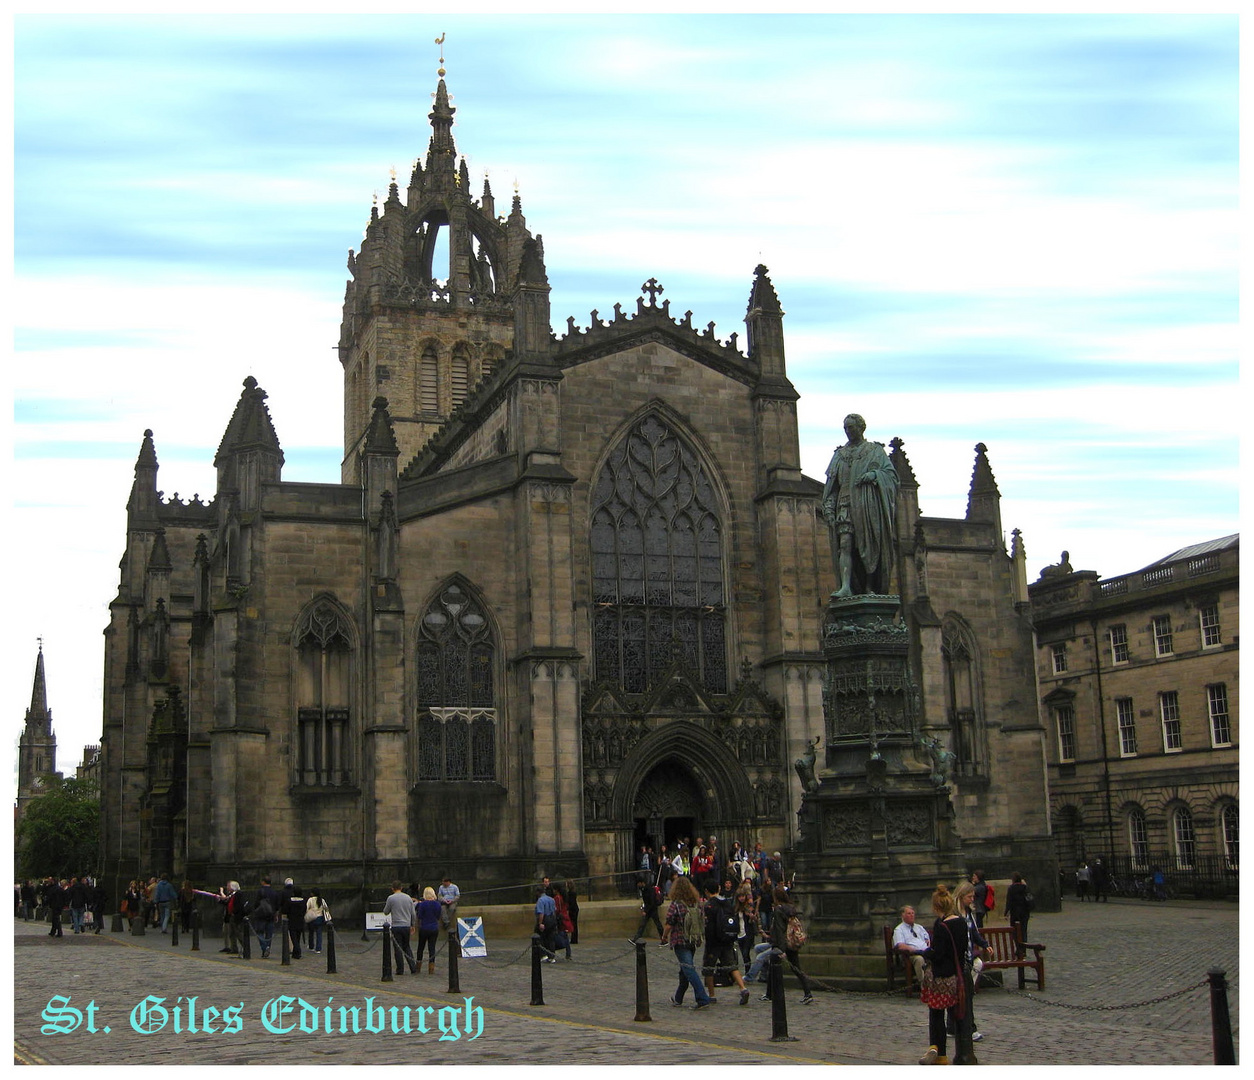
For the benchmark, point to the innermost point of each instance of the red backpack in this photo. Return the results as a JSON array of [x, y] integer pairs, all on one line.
[[990, 900]]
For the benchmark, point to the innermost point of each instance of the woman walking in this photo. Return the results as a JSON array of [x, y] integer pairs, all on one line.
[[942, 989], [685, 925], [428, 916]]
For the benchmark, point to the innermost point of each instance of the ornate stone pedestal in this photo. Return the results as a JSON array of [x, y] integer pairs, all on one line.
[[876, 823]]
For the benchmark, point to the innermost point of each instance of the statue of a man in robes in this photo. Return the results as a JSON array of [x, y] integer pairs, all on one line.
[[860, 503]]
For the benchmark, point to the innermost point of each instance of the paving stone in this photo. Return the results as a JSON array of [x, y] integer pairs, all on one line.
[[1100, 958]]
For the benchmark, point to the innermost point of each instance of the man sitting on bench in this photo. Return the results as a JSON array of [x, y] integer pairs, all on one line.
[[910, 940]]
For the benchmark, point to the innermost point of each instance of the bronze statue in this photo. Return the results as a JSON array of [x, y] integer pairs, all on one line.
[[860, 503]]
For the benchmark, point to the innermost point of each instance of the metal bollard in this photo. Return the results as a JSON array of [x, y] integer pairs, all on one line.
[[1220, 1020], [330, 935], [137, 926], [174, 928], [195, 929], [454, 954], [285, 953], [642, 985], [537, 980], [387, 955], [115, 927], [964, 1048], [246, 943], [779, 1007]]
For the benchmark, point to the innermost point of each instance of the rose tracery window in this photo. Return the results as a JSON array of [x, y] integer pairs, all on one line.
[[657, 563], [324, 656], [456, 693]]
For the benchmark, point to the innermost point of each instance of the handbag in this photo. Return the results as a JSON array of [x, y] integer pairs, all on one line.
[[948, 991]]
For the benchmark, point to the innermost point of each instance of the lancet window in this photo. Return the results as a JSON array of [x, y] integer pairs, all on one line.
[[657, 563], [324, 677], [456, 690]]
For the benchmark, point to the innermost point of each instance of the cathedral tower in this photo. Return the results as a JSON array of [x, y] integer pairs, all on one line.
[[429, 309]]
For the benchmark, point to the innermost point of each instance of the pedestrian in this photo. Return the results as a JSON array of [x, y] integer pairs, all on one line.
[[428, 927], [187, 905], [943, 990], [686, 933], [132, 903], [28, 899], [1019, 905], [317, 915], [1083, 876], [77, 900], [983, 897], [55, 898], [233, 927], [165, 895], [1101, 881], [572, 910], [747, 918], [650, 900], [973, 958], [398, 916], [561, 935], [262, 912], [546, 924], [96, 901], [721, 932], [448, 895], [292, 906], [788, 934]]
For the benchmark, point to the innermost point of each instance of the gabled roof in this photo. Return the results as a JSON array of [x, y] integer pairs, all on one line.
[[1193, 551]]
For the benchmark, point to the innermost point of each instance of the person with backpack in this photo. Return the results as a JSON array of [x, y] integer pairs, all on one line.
[[788, 933], [650, 901], [985, 898], [686, 933], [1018, 909], [722, 929], [261, 914]]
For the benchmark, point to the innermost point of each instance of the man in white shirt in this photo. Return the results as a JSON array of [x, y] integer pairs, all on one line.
[[910, 940]]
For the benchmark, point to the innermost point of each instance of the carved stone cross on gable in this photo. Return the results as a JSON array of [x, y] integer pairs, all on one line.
[[653, 289]]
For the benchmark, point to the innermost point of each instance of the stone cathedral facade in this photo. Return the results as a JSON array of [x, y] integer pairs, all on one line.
[[565, 598]]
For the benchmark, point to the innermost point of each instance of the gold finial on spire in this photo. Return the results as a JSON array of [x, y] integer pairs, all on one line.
[[440, 41], [392, 170], [374, 198]]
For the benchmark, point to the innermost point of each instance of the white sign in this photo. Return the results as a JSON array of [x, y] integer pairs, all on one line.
[[470, 934], [374, 920]]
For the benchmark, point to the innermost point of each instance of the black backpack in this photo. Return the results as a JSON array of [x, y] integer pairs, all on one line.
[[723, 922]]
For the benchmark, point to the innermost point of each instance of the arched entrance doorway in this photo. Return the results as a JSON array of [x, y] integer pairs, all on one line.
[[668, 806]]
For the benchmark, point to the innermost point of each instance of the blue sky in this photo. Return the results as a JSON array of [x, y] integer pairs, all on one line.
[[1017, 230]]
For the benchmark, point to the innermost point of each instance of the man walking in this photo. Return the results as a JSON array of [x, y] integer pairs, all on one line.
[[398, 912]]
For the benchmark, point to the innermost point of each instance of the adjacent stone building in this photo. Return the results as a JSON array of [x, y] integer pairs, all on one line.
[[1139, 681], [565, 598]]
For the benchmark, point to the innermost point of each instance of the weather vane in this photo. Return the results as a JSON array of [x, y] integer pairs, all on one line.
[[440, 41]]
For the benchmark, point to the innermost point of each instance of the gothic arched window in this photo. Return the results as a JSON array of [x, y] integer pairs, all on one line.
[[324, 660], [657, 563], [959, 656], [456, 692]]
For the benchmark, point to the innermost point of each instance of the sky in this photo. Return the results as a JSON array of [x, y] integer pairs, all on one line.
[[1010, 229]]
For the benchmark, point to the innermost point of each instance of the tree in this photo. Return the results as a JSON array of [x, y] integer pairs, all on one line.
[[60, 831]]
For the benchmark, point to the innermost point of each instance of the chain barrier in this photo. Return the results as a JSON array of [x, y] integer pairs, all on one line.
[[1116, 1008]]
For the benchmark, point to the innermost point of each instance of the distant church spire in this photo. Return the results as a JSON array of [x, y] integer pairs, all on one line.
[[39, 691], [37, 747]]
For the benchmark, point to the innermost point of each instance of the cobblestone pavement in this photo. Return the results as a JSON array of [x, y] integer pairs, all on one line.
[[1098, 957]]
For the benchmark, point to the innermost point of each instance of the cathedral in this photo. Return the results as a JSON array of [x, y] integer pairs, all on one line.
[[565, 599]]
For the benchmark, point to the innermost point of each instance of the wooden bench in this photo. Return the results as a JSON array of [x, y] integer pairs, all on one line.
[[1009, 951], [1003, 943]]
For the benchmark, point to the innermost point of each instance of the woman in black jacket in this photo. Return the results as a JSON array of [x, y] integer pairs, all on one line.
[[1018, 908], [949, 945]]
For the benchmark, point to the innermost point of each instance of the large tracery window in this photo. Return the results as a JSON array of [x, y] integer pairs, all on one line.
[[657, 563], [324, 658], [456, 694]]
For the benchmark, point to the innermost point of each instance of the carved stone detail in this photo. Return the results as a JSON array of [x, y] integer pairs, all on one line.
[[847, 825], [908, 823]]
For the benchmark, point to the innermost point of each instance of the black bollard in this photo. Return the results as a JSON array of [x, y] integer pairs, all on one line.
[[174, 929], [115, 927], [387, 954], [330, 934], [246, 940], [454, 954], [964, 1048], [137, 927], [195, 929], [537, 980], [285, 954], [642, 985], [1220, 1021], [779, 1007]]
